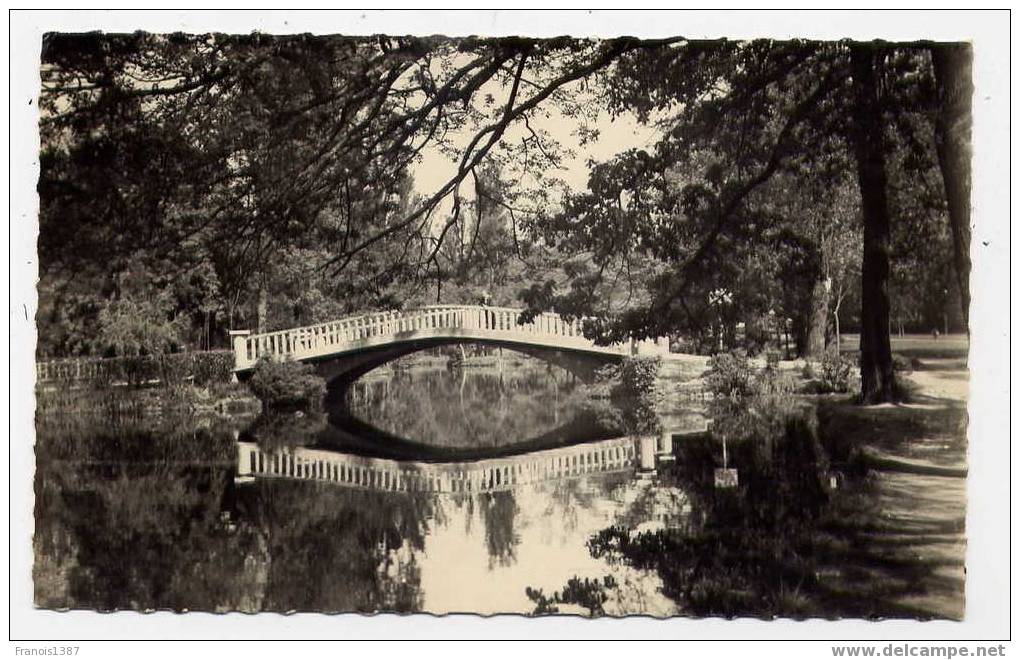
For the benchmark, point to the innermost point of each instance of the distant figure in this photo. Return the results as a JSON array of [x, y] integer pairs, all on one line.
[[935, 334], [485, 298]]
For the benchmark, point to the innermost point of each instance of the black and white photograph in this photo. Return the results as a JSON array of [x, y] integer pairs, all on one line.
[[567, 326]]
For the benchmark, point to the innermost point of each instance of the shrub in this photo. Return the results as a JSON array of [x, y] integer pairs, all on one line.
[[213, 367], [635, 395], [287, 385], [608, 373], [770, 381], [201, 368], [638, 376], [838, 373], [729, 374], [590, 594]]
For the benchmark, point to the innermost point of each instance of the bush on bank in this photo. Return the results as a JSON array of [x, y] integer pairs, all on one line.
[[635, 394], [287, 385], [730, 374], [638, 376], [839, 373]]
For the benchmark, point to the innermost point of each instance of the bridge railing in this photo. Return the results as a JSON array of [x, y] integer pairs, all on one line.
[[200, 367], [335, 336], [490, 475], [68, 370]]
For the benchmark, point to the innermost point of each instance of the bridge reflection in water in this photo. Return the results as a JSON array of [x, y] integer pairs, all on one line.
[[482, 476]]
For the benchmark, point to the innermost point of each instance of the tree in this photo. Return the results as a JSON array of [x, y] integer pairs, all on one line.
[[877, 380], [955, 89], [824, 211], [737, 116], [264, 143]]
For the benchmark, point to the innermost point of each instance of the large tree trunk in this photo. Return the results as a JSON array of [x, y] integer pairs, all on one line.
[[818, 321], [877, 380], [952, 65], [263, 308], [835, 318]]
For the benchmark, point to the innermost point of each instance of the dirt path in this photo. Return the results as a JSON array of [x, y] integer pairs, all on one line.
[[905, 521]]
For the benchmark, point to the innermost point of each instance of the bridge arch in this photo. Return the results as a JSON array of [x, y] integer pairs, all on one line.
[[349, 347], [344, 368]]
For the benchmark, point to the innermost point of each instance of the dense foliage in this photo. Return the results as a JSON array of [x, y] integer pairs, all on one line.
[[287, 385], [838, 373], [729, 374], [638, 375], [195, 183]]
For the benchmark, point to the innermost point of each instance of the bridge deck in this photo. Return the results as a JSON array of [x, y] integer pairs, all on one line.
[[455, 322]]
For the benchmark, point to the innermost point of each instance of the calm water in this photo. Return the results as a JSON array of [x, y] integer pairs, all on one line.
[[469, 491]]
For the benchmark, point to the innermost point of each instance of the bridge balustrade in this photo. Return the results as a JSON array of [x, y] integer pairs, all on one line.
[[473, 322], [68, 370], [480, 477]]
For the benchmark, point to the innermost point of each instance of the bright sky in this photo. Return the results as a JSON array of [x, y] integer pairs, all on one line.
[[615, 135], [625, 132]]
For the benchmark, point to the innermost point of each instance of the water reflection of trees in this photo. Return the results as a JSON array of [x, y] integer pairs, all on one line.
[[277, 431], [781, 543], [500, 512], [568, 497], [751, 552], [338, 549], [468, 407], [141, 520], [133, 520]]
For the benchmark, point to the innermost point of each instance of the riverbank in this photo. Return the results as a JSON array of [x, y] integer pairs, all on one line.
[[886, 534], [189, 382], [226, 399]]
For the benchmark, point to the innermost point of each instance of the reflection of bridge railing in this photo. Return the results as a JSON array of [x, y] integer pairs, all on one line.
[[476, 477], [453, 321]]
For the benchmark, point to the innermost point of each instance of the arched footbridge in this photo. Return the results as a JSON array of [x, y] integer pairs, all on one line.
[[354, 345]]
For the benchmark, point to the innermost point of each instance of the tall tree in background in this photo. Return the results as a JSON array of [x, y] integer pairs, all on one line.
[[955, 91], [877, 380]]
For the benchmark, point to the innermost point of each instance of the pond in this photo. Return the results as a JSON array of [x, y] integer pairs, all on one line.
[[498, 489]]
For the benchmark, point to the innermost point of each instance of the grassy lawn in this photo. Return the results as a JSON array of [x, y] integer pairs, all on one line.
[[920, 346]]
